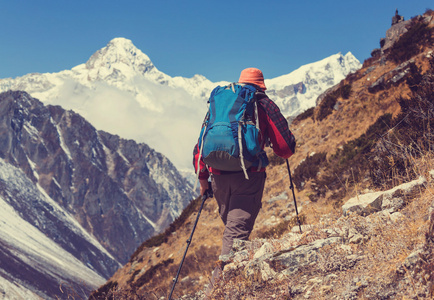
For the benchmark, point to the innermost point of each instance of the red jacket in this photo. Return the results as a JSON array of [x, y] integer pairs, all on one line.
[[273, 127]]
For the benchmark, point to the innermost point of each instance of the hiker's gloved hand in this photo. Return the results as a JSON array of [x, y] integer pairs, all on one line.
[[203, 186]]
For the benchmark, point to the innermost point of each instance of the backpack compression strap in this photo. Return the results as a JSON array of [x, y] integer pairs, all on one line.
[[259, 130], [243, 166], [240, 142]]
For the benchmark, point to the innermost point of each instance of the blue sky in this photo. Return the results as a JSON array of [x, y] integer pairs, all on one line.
[[216, 39]]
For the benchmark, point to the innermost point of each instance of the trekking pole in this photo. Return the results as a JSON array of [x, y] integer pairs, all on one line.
[[291, 187], [208, 194]]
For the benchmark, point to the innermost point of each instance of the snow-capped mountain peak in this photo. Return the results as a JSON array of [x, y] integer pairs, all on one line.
[[297, 91], [118, 51], [120, 60], [336, 63]]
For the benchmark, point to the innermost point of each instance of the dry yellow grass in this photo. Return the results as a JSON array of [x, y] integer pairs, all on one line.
[[382, 255]]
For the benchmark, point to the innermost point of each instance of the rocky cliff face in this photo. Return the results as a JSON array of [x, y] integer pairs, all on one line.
[[118, 191]]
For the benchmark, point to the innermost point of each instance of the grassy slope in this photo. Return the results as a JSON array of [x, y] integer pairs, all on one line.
[[149, 273]]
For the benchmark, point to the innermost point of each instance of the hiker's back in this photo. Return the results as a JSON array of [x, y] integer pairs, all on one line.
[[229, 139]]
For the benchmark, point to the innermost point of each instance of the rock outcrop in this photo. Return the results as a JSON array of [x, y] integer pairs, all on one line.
[[312, 265], [391, 200]]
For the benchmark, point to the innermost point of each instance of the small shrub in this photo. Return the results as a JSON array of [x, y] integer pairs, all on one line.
[[352, 77], [149, 274], [348, 165], [414, 78], [417, 113], [278, 230], [275, 160], [325, 108], [308, 169], [105, 291], [428, 258], [203, 258], [345, 91], [274, 232], [387, 166], [412, 134], [304, 115], [364, 143]]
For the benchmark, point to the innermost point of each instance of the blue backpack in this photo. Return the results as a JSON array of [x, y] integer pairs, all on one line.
[[229, 139]]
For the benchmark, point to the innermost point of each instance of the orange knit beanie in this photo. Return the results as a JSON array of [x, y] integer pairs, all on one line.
[[253, 76]]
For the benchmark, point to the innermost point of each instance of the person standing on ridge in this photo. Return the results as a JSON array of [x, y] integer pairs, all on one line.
[[239, 199]]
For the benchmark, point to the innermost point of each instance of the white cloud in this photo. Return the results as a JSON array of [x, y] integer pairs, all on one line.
[[169, 125]]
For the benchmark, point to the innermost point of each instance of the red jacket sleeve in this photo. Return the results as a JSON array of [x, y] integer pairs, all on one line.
[[275, 127], [203, 171]]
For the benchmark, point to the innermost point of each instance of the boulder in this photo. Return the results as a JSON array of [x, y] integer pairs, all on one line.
[[369, 203], [302, 255]]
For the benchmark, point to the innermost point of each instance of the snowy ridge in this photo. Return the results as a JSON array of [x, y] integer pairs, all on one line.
[[61, 140], [335, 65], [298, 90]]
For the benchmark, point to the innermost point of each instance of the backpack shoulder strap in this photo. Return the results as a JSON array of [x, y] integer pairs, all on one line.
[[213, 92]]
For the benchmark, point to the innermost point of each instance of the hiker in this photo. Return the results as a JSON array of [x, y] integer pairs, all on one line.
[[239, 198]]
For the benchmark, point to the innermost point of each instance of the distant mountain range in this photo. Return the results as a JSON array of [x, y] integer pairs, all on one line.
[[75, 202], [119, 90]]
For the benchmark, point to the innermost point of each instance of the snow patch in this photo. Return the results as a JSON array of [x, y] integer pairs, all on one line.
[[61, 140], [14, 290], [33, 247]]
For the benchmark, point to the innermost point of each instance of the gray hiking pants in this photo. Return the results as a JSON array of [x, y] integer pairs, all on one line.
[[239, 202]]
